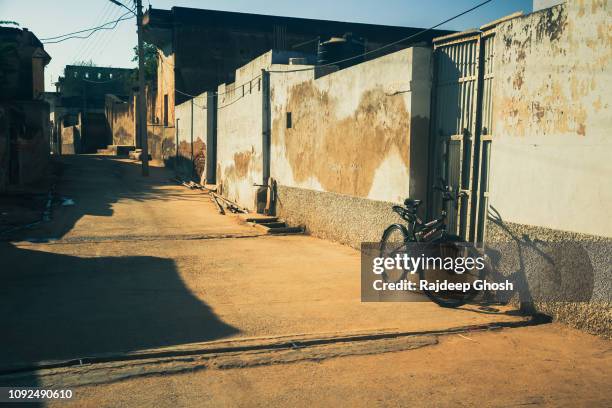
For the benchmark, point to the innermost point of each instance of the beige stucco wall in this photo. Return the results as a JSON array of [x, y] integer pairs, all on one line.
[[187, 126], [361, 131], [549, 220], [122, 122], [239, 133], [165, 86], [550, 163]]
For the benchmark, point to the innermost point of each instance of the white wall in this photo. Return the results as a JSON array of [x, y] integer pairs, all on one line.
[[185, 126], [551, 154], [239, 133]]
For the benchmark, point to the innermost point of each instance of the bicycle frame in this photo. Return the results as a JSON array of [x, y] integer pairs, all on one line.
[[422, 231]]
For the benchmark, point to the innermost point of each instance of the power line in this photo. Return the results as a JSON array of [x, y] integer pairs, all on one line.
[[343, 60], [93, 30], [81, 49], [101, 38], [75, 32], [387, 45]]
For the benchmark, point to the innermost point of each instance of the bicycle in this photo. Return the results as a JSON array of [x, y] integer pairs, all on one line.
[[432, 237]]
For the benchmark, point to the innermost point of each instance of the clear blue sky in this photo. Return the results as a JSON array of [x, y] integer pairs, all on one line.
[[47, 18]]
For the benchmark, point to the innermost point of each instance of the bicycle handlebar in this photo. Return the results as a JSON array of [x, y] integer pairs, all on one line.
[[447, 191]]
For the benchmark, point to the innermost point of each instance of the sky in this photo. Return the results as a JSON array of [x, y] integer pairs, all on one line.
[[49, 18]]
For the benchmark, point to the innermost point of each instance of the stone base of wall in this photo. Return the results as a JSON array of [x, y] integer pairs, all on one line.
[[557, 264], [336, 217]]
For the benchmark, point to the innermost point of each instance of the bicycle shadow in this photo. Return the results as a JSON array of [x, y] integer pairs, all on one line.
[[540, 271]]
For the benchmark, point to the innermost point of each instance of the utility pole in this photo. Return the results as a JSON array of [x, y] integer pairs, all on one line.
[[141, 104], [142, 107]]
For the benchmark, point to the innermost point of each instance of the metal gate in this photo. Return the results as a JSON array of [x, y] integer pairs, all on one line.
[[461, 130]]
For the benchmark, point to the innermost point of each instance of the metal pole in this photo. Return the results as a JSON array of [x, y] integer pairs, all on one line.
[[192, 163], [176, 150], [142, 107]]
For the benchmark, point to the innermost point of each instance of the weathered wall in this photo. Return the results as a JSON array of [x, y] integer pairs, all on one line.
[[121, 121], [30, 131], [361, 134], [552, 110], [71, 140], [165, 86], [4, 148], [353, 131], [192, 134], [24, 141], [550, 162], [239, 133], [162, 144]]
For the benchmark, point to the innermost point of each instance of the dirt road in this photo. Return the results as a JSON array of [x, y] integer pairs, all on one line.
[[547, 365], [145, 276]]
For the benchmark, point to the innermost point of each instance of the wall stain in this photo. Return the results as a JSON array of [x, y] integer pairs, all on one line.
[[242, 161], [552, 24], [342, 154], [526, 102]]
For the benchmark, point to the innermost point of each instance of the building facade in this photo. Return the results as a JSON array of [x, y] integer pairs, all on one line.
[[81, 105], [24, 115], [200, 49]]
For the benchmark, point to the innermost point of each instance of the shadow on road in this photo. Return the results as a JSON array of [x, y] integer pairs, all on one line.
[[56, 306]]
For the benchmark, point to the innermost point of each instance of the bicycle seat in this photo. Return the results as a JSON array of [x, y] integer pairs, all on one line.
[[412, 203]]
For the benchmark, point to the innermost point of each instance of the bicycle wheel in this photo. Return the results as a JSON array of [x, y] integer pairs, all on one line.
[[436, 272], [393, 242]]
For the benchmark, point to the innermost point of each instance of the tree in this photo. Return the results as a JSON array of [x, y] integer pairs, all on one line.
[[150, 61], [89, 63]]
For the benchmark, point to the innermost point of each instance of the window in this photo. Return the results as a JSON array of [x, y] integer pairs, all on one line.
[[99, 75], [87, 75], [166, 110], [289, 123]]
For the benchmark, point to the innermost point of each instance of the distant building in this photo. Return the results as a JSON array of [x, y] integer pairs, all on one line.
[[24, 115], [200, 49], [80, 105]]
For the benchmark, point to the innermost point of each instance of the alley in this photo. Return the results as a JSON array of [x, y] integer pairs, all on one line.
[[382, 204], [140, 264], [142, 277]]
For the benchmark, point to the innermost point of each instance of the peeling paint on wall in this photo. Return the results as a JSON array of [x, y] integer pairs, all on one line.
[[552, 118]]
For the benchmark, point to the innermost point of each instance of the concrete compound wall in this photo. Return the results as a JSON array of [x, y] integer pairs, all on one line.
[[192, 135], [357, 144], [552, 109], [239, 131], [550, 162]]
